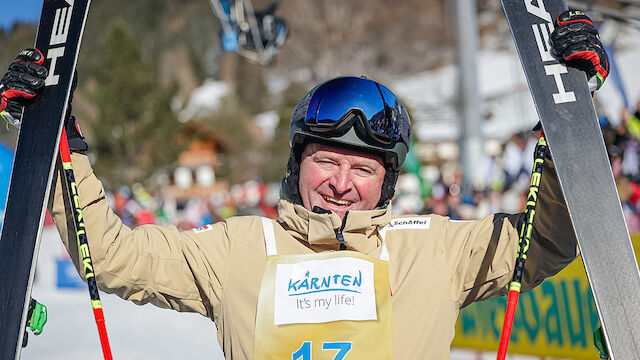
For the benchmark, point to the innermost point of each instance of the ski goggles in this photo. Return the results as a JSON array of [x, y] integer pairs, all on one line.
[[337, 104]]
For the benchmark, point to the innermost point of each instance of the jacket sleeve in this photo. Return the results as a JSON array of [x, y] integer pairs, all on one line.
[[183, 271], [482, 253]]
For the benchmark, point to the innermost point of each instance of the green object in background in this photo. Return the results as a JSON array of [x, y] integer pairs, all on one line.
[[412, 165], [633, 125], [600, 344], [38, 317]]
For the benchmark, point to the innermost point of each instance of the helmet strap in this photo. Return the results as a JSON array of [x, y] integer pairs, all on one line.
[[289, 188], [388, 186]]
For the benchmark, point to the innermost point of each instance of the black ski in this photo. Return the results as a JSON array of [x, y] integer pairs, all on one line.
[[570, 124], [59, 34]]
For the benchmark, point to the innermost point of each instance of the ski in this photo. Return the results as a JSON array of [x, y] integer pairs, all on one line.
[[59, 35], [570, 124]]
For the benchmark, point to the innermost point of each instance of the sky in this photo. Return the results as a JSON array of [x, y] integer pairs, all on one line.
[[19, 10]]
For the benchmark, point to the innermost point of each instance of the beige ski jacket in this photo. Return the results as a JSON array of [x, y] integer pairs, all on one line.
[[216, 270]]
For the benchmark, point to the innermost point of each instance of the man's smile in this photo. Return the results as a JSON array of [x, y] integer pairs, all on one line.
[[335, 201]]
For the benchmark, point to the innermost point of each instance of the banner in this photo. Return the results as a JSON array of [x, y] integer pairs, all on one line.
[[555, 319]]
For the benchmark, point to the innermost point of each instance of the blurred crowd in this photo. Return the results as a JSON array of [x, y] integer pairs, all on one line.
[[138, 206], [622, 143], [501, 187]]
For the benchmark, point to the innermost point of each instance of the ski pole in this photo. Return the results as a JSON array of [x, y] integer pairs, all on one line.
[[525, 238], [83, 245]]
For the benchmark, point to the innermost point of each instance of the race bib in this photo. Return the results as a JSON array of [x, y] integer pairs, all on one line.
[[319, 291]]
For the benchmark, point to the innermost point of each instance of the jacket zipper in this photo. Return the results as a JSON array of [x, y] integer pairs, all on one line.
[[338, 231]]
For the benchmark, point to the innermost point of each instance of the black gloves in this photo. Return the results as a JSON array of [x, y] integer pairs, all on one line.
[[576, 41], [22, 82]]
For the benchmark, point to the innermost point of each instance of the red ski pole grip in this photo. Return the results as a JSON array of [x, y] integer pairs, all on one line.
[[102, 332], [508, 323]]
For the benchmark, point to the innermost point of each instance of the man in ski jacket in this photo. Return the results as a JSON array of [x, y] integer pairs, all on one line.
[[335, 276]]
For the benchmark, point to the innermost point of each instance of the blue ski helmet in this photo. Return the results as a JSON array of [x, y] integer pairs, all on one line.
[[351, 112]]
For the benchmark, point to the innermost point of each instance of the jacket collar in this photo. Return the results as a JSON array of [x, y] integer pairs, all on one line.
[[319, 230]]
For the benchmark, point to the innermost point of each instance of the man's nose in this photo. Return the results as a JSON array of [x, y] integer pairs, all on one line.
[[341, 180]]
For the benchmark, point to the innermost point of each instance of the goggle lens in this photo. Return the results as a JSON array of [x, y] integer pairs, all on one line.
[[376, 106]]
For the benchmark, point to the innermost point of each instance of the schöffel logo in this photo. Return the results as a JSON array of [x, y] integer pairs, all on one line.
[[401, 222], [410, 223], [327, 282]]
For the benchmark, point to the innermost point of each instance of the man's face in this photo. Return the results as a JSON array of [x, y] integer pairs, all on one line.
[[339, 180]]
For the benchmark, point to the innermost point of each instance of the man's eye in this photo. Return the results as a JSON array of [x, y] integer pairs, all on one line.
[[325, 162], [365, 170]]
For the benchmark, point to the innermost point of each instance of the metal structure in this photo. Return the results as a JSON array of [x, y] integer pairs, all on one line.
[[255, 35], [471, 139]]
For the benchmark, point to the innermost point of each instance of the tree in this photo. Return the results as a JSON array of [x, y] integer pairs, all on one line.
[[364, 37], [250, 87], [134, 129], [278, 149], [233, 123]]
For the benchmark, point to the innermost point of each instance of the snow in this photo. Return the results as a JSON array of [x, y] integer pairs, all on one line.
[[267, 122], [204, 100], [507, 106]]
